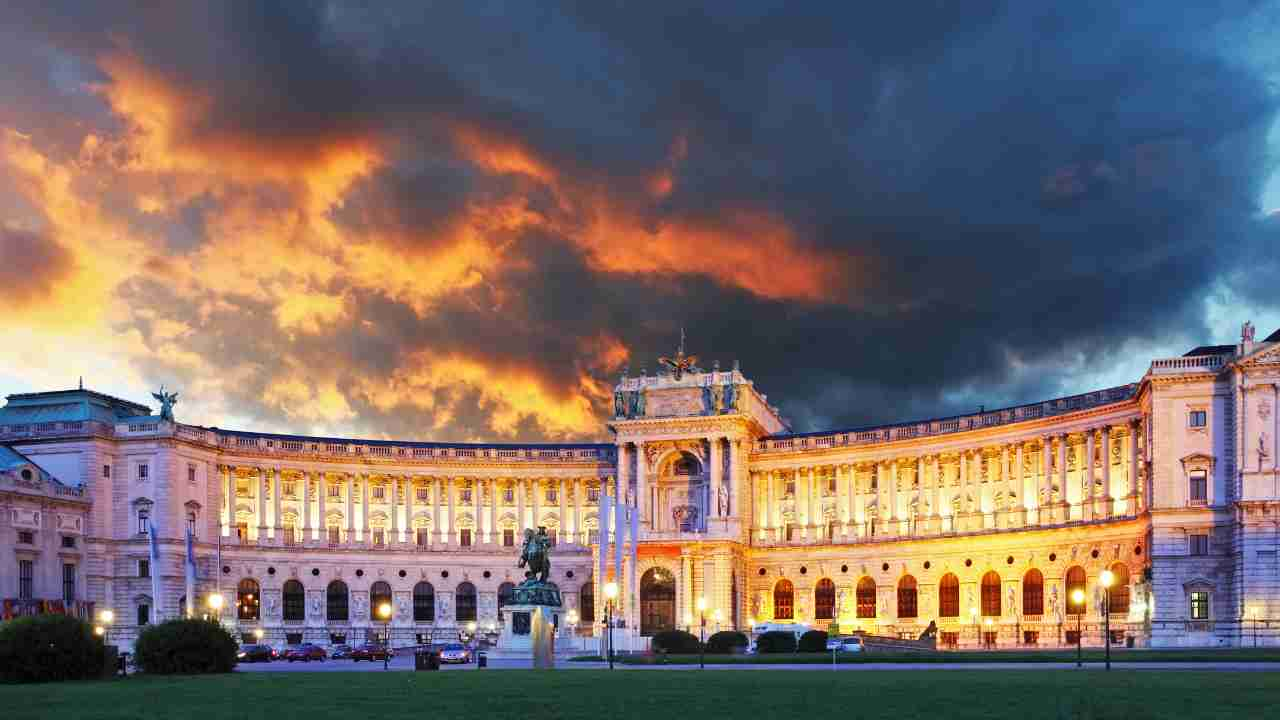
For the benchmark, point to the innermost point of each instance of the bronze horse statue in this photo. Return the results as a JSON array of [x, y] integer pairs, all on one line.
[[535, 556]]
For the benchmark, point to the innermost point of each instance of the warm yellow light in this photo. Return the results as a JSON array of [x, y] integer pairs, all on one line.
[[688, 618], [988, 622], [98, 630], [1077, 596], [751, 622], [973, 612], [611, 590], [215, 601], [258, 633], [384, 610], [1106, 578], [471, 627], [717, 615], [573, 616], [702, 604], [107, 617]]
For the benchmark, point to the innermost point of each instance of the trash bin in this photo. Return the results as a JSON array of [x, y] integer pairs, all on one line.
[[1128, 641], [482, 660], [426, 660]]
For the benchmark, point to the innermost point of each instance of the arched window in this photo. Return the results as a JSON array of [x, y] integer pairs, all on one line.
[[248, 601], [949, 596], [1076, 580], [587, 604], [1033, 593], [1118, 593], [824, 600], [784, 597], [686, 465], [424, 602], [379, 593], [907, 597], [466, 602], [991, 594], [506, 596], [657, 601], [336, 601], [866, 597], [295, 601]]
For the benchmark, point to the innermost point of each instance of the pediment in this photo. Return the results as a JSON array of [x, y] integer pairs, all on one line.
[[1263, 356]]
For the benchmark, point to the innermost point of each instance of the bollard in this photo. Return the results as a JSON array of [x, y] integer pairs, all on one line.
[[482, 661]]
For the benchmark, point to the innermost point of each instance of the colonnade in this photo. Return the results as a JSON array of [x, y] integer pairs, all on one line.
[[379, 509], [1034, 481]]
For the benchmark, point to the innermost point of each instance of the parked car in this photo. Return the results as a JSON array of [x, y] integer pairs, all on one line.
[[456, 653], [340, 652], [305, 652], [371, 652], [851, 644], [256, 653]]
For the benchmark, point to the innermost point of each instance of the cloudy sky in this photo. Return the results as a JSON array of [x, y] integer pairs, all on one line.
[[463, 222]]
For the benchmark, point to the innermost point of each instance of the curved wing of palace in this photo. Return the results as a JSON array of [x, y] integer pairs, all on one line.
[[983, 525]]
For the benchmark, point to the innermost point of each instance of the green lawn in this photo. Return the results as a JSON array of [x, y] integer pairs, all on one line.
[[691, 695], [1028, 656]]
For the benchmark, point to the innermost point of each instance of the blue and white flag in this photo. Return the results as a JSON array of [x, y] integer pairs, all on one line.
[[191, 577], [157, 601], [605, 511]]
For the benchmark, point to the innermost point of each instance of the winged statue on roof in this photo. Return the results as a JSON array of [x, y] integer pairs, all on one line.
[[681, 363], [167, 400]]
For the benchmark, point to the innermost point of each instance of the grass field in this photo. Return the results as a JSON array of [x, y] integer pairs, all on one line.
[[691, 695], [1032, 656]]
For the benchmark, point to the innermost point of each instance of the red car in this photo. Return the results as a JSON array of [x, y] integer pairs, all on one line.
[[305, 652], [371, 652]]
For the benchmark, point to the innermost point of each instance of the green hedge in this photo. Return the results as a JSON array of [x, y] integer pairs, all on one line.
[[676, 641], [49, 647], [776, 641], [813, 641], [724, 642], [185, 647]]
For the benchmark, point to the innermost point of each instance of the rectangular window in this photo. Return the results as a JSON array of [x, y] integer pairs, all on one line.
[[421, 494], [508, 538], [790, 487], [1199, 605], [508, 496], [144, 568], [293, 638], [68, 583], [106, 471], [593, 495], [831, 485], [791, 530], [1072, 637], [26, 537], [951, 639], [335, 491], [144, 614], [335, 535], [422, 537], [593, 537], [68, 542], [290, 488], [336, 639], [1197, 544], [242, 531], [144, 522], [379, 493], [290, 538], [466, 537], [191, 522], [1197, 418], [554, 535], [142, 471], [26, 579], [552, 495], [1199, 490], [1030, 637], [191, 473], [379, 537]]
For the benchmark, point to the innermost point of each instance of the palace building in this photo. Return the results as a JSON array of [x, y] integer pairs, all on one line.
[[984, 525]]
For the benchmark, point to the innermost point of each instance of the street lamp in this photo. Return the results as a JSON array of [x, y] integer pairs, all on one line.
[[985, 643], [1253, 615], [572, 618], [1106, 578], [105, 618], [215, 604], [717, 616], [384, 612], [257, 634], [702, 632], [973, 615], [1077, 599], [610, 594]]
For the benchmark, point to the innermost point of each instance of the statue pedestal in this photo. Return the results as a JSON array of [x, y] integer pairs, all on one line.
[[529, 631]]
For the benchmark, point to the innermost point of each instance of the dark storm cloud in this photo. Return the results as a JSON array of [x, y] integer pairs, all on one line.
[[31, 264], [994, 186]]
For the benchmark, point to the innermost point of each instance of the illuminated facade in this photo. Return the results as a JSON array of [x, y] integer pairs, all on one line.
[[982, 524]]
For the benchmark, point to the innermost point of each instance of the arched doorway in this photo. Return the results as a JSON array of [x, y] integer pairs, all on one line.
[[1076, 580], [824, 600], [1118, 593], [949, 596], [379, 594], [907, 605], [865, 597], [465, 599], [784, 600], [657, 601], [295, 601], [424, 602], [991, 594], [248, 600], [1033, 593], [336, 602], [506, 596]]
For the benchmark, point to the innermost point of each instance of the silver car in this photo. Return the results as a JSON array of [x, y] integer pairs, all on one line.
[[456, 653]]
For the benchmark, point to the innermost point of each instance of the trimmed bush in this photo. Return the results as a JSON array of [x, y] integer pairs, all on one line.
[[813, 641], [185, 647], [776, 641], [724, 642], [676, 642], [45, 648]]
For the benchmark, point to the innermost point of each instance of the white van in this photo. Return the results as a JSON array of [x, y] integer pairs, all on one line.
[[759, 629]]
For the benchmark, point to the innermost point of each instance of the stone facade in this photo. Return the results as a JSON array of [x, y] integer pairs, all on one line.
[[983, 524]]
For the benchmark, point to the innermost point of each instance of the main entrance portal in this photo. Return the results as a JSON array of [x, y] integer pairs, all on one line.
[[657, 602]]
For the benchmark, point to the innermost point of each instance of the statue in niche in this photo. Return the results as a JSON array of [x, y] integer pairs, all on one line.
[[640, 402], [1053, 604], [730, 397], [708, 405], [619, 404], [717, 399], [722, 501], [167, 400], [1263, 454], [1013, 600], [633, 403]]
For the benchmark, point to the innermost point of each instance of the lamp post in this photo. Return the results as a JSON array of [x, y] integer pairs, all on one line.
[[1106, 578], [384, 612], [572, 618], [702, 632], [215, 605], [105, 618], [1253, 615], [257, 634], [1077, 599], [985, 643], [717, 617], [610, 594], [973, 615]]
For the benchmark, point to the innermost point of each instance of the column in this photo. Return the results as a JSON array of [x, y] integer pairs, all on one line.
[[349, 481], [1045, 499], [520, 520], [894, 487], [477, 517], [495, 492], [1108, 505], [1132, 504], [229, 474], [1019, 484], [262, 506], [717, 470], [961, 519], [366, 537], [322, 491], [686, 591], [394, 487], [1087, 496], [1005, 488], [859, 512], [277, 533], [770, 511], [842, 499], [801, 501], [437, 509], [579, 491], [450, 493], [564, 510], [306, 506], [1063, 441], [736, 470], [919, 513], [816, 491], [537, 503], [409, 491]]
